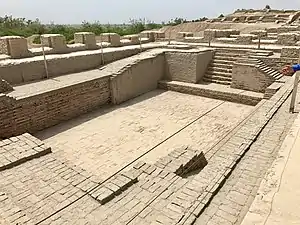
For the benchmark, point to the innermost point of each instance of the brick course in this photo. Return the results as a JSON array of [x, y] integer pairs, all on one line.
[[33, 113]]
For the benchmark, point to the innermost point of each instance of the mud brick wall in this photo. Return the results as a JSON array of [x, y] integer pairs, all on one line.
[[279, 63], [136, 79], [187, 67], [248, 77], [34, 113], [290, 52], [19, 71], [288, 38]]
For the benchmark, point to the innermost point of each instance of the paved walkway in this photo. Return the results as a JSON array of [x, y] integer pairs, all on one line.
[[244, 181], [278, 197]]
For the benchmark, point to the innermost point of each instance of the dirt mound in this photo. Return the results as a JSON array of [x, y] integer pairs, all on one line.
[[199, 27]]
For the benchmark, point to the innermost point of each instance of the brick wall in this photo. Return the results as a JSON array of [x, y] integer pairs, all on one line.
[[38, 112], [24, 70], [290, 52], [187, 67], [139, 78], [248, 77], [278, 63]]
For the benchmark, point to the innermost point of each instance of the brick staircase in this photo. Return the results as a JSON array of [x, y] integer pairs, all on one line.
[[220, 69], [268, 70]]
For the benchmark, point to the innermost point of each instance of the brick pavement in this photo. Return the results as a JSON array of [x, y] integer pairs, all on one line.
[[52, 190], [231, 204], [102, 142], [181, 201], [15, 150]]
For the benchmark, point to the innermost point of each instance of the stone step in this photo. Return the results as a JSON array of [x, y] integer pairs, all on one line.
[[232, 50], [267, 70], [217, 73], [213, 90], [278, 76], [219, 69], [221, 61], [219, 78], [231, 54], [216, 81], [224, 57], [221, 65], [258, 54]]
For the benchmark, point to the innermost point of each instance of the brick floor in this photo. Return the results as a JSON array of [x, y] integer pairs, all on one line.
[[234, 199], [104, 141]]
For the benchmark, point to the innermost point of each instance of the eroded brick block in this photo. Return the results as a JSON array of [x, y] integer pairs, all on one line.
[[105, 196]]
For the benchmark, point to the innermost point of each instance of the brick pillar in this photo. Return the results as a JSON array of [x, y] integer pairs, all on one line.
[[86, 38], [148, 34], [55, 41], [112, 38], [134, 39], [14, 46]]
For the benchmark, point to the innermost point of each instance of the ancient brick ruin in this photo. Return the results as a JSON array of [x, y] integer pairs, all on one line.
[[141, 129]]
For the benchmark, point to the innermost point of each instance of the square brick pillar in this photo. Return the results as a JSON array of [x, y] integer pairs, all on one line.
[[14, 46], [55, 41], [148, 34], [86, 38], [112, 38], [134, 39]]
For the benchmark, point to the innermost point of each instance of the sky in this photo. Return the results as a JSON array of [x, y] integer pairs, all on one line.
[[120, 11]]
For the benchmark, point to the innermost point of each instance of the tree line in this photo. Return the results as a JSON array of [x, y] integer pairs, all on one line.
[[24, 27]]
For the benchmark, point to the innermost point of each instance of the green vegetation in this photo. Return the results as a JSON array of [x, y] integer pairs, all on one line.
[[22, 27], [10, 26]]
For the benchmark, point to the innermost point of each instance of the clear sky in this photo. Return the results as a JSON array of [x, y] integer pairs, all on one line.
[[119, 11]]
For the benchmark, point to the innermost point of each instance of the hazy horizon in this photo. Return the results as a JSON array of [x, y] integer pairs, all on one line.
[[118, 12]]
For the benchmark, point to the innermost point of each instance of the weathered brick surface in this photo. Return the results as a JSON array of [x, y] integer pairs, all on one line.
[[250, 77], [40, 111], [86, 38], [235, 197], [202, 90], [14, 46], [161, 196], [19, 149], [147, 194], [182, 161], [272, 89], [290, 38], [115, 185], [38, 188], [55, 41]]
